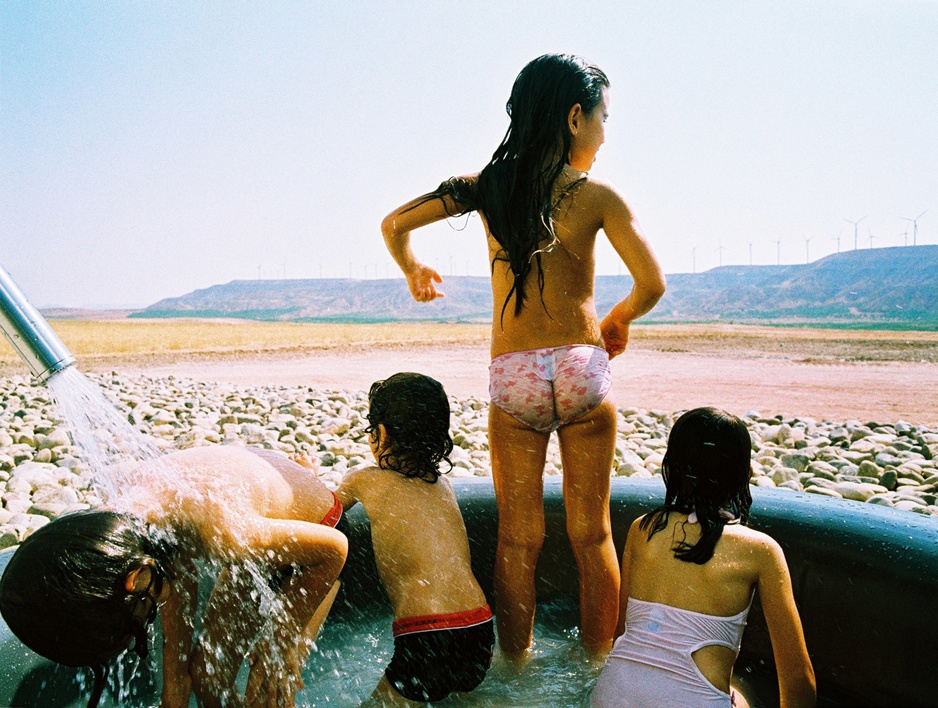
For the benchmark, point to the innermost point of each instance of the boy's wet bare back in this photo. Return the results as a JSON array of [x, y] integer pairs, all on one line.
[[419, 540]]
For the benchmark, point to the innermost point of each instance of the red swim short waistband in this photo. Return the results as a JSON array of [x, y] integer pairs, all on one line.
[[335, 513], [431, 623]]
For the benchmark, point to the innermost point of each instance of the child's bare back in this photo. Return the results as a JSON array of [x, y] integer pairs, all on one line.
[[583, 207], [419, 540], [222, 488], [690, 569], [443, 627], [240, 509]]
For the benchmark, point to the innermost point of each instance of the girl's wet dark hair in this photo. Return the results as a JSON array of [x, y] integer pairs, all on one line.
[[414, 411], [63, 592], [706, 470], [515, 191]]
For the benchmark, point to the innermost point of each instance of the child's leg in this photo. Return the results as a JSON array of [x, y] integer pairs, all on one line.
[[587, 448], [518, 454], [385, 695]]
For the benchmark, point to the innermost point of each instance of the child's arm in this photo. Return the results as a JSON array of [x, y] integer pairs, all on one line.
[[320, 551], [347, 492], [633, 249], [396, 228], [795, 674], [177, 617], [626, 575]]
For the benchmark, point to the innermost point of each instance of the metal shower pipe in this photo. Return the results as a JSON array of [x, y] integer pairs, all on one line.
[[29, 333]]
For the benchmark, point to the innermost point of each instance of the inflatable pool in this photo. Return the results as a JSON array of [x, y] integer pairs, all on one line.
[[865, 579]]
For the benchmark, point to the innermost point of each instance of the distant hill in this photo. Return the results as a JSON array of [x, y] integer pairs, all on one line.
[[870, 287], [85, 313]]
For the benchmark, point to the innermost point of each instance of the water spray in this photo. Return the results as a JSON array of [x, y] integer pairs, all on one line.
[[29, 333]]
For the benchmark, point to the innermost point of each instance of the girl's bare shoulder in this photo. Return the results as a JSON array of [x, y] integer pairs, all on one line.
[[759, 545], [612, 200]]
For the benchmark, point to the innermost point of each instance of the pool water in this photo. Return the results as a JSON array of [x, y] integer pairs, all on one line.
[[349, 659], [352, 653]]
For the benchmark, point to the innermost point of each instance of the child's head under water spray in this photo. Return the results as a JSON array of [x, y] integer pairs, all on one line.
[[81, 590]]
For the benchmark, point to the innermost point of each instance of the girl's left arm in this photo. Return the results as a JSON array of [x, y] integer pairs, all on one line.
[[626, 575], [177, 617], [648, 279]]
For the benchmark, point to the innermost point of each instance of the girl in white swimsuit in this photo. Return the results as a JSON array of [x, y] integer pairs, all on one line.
[[689, 571], [542, 214]]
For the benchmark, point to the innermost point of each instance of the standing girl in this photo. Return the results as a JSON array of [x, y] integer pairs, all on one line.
[[689, 572], [550, 351]]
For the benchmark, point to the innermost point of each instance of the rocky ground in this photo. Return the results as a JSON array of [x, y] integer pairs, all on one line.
[[42, 476]]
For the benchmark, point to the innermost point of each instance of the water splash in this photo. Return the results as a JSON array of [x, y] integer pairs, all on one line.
[[103, 434], [131, 470]]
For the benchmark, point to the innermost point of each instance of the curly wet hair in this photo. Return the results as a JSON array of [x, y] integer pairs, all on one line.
[[414, 411], [706, 470]]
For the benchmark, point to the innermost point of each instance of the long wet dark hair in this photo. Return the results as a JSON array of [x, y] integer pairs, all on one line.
[[706, 470], [63, 592], [515, 191], [414, 411]]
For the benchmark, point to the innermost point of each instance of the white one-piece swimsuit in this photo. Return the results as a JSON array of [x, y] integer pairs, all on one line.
[[652, 664]]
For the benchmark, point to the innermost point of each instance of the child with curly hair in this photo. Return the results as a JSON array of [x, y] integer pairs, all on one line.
[[443, 628]]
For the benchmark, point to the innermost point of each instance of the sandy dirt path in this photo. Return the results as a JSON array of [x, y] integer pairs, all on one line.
[[881, 391]]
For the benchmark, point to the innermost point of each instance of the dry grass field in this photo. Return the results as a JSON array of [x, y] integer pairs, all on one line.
[[137, 341], [821, 373], [128, 338]]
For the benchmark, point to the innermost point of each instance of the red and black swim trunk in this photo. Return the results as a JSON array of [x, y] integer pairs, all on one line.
[[436, 655], [335, 513]]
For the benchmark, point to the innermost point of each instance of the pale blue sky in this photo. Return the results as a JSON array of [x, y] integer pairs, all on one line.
[[149, 149]]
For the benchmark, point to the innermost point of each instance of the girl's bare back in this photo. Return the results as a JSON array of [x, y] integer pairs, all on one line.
[[215, 490], [743, 560], [564, 312], [722, 586]]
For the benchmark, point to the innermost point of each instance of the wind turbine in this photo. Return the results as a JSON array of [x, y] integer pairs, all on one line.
[[807, 250], [854, 230], [905, 238], [871, 235], [750, 253], [778, 250], [720, 250], [914, 225], [693, 251]]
